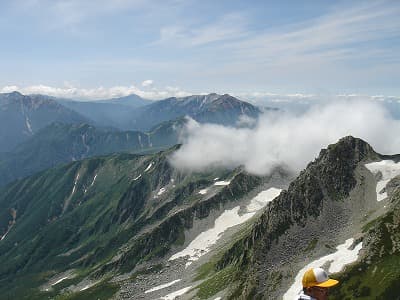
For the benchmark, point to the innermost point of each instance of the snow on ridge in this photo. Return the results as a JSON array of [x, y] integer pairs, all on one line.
[[342, 257], [222, 182], [229, 218], [137, 177], [148, 167], [178, 293], [389, 169], [162, 286]]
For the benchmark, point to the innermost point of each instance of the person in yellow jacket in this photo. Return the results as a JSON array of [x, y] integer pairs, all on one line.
[[316, 284]]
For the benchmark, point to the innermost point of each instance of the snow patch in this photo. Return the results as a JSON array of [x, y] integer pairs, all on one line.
[[178, 293], [28, 124], [203, 191], [2, 238], [86, 287], [343, 256], [389, 169], [262, 199], [148, 167], [229, 218], [75, 182], [162, 286], [137, 177], [94, 179], [222, 183], [59, 280], [161, 191]]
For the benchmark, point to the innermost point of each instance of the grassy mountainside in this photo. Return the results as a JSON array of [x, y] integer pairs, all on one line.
[[100, 217], [377, 274]]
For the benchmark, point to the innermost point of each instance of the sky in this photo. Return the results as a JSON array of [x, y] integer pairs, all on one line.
[[106, 48]]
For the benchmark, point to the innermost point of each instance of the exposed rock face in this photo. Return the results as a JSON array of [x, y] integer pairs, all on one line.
[[312, 208]]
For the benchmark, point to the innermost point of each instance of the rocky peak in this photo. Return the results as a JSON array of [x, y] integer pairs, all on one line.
[[326, 180]]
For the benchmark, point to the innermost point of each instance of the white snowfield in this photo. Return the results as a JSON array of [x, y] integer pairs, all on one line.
[[222, 183], [261, 200], [229, 218], [162, 286], [389, 169], [173, 295], [342, 257]]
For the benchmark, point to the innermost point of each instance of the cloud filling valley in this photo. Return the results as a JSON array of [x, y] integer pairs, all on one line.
[[286, 139]]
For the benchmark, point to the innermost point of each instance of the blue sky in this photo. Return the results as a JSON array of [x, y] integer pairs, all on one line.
[[103, 48]]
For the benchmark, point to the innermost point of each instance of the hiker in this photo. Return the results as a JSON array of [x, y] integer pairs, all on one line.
[[316, 284]]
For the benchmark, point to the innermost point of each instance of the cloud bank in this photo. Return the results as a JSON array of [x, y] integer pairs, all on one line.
[[285, 139], [149, 91]]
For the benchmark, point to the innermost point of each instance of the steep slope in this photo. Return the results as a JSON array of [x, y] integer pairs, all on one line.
[[72, 229], [62, 143], [212, 108], [328, 204], [22, 116]]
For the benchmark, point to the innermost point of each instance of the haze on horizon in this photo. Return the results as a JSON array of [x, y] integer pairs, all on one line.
[[82, 49]]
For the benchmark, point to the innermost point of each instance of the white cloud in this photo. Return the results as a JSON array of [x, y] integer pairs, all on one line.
[[147, 83], [69, 91], [287, 139]]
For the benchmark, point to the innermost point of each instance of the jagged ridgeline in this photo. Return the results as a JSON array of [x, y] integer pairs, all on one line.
[[332, 201], [132, 227], [72, 230]]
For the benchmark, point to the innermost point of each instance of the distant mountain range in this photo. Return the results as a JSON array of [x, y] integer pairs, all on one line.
[[38, 131], [135, 113]]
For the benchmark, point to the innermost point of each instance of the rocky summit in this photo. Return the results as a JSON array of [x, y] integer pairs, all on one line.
[[128, 226]]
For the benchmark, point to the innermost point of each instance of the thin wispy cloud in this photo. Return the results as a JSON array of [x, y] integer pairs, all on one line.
[[226, 28]]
